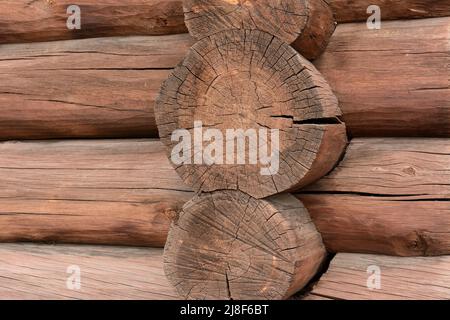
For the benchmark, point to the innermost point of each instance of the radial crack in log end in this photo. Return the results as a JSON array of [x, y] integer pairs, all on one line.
[[228, 245], [308, 24], [253, 82]]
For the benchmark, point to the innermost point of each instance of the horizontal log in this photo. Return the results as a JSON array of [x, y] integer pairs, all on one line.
[[306, 25], [45, 20], [249, 80], [109, 85], [354, 277], [100, 192], [393, 81], [388, 196], [228, 245], [351, 11], [102, 88], [44, 272]]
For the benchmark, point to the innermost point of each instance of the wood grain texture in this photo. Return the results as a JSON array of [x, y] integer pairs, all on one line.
[[113, 93], [45, 20], [101, 192], [388, 196], [39, 272], [402, 278], [393, 81], [356, 10], [228, 245], [250, 81], [101, 88], [306, 24]]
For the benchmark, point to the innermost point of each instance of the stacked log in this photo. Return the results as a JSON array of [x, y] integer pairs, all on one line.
[[236, 247], [242, 76], [387, 196], [46, 272], [238, 237], [46, 20], [110, 91], [244, 80], [351, 11], [400, 278], [305, 24]]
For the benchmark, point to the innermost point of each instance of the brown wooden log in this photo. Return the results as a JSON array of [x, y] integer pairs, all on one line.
[[306, 24], [250, 80], [228, 245], [45, 20], [400, 278], [100, 192], [393, 81], [92, 88], [351, 11], [113, 93], [43, 272], [388, 196]]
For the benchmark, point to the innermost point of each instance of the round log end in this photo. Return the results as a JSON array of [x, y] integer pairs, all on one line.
[[228, 245], [269, 122], [307, 23]]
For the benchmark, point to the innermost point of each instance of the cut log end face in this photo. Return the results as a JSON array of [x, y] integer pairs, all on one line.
[[309, 23], [228, 245], [251, 85]]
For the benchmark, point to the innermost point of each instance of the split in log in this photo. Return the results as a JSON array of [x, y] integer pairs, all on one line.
[[250, 82], [92, 88], [388, 196], [46, 20], [228, 245], [306, 24], [351, 277], [121, 192], [351, 11], [44, 272]]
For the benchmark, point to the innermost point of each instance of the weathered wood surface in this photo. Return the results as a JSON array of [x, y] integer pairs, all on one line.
[[42, 272], [101, 88], [250, 81], [45, 20], [228, 245], [306, 24], [351, 10], [102, 192], [393, 81], [401, 278], [388, 196], [113, 93]]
